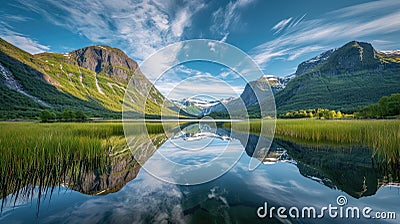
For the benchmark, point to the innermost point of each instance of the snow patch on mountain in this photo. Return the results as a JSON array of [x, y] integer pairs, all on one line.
[[277, 83], [202, 106], [391, 52]]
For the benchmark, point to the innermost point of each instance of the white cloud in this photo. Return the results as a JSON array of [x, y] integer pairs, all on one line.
[[297, 21], [154, 66], [16, 18], [281, 25], [180, 22], [224, 74], [205, 85], [139, 27], [227, 73], [224, 37], [228, 16], [22, 41], [161, 21], [143, 196], [298, 52], [356, 22]]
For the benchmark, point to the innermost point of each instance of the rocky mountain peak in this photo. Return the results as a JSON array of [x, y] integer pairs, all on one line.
[[103, 59], [351, 57]]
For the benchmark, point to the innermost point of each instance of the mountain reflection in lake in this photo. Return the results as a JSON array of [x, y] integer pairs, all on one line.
[[290, 175]]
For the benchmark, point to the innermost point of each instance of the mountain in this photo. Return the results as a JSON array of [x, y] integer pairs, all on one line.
[[346, 78], [278, 83], [92, 79], [313, 62], [255, 95], [198, 106], [349, 77]]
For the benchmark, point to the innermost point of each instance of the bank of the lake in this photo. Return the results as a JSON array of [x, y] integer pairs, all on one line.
[[381, 136]]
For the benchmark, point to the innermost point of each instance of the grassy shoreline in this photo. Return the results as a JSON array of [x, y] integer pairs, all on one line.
[[381, 136], [45, 153]]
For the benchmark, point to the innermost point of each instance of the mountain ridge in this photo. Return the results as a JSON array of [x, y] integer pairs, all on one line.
[[353, 76], [67, 81], [346, 78]]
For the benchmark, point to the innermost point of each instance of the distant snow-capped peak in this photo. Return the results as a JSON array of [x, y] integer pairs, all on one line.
[[391, 52], [200, 103]]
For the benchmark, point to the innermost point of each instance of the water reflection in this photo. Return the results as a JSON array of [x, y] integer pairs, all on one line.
[[350, 169], [97, 174], [290, 173]]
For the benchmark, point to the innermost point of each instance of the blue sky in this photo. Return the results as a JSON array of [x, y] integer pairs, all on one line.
[[278, 35]]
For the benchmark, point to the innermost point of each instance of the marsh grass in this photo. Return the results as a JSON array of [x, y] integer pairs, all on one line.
[[46, 155], [381, 136], [37, 157]]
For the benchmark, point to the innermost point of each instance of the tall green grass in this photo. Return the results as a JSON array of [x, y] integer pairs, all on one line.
[[46, 155], [381, 136]]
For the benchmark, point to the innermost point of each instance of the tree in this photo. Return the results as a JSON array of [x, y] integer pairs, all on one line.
[[46, 116], [322, 113], [383, 106], [79, 115], [331, 114], [386, 106], [68, 115], [339, 114]]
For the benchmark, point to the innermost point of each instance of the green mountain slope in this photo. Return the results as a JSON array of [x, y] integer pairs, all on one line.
[[92, 79], [352, 76], [257, 96]]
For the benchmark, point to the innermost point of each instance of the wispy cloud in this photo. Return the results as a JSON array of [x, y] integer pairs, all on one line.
[[178, 83], [223, 39], [297, 21], [225, 73], [16, 18], [22, 41], [205, 85], [363, 21], [183, 18], [226, 17], [140, 27], [281, 25]]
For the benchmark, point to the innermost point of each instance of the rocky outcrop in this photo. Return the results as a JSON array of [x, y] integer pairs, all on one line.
[[252, 90], [121, 170], [110, 61], [353, 56]]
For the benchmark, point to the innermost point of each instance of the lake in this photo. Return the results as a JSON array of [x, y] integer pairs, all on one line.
[[125, 186]]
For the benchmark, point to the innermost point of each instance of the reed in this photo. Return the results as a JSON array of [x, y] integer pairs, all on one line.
[[37, 157], [34, 154], [381, 136]]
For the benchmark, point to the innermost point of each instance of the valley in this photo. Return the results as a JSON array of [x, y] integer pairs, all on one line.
[[94, 80], [235, 111]]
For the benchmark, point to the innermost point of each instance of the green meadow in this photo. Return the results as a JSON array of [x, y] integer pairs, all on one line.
[[50, 154]]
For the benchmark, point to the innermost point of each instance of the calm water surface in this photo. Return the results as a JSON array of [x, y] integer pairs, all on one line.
[[290, 175]]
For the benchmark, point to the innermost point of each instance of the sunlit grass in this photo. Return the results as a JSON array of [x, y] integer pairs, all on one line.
[[381, 136], [45, 154]]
